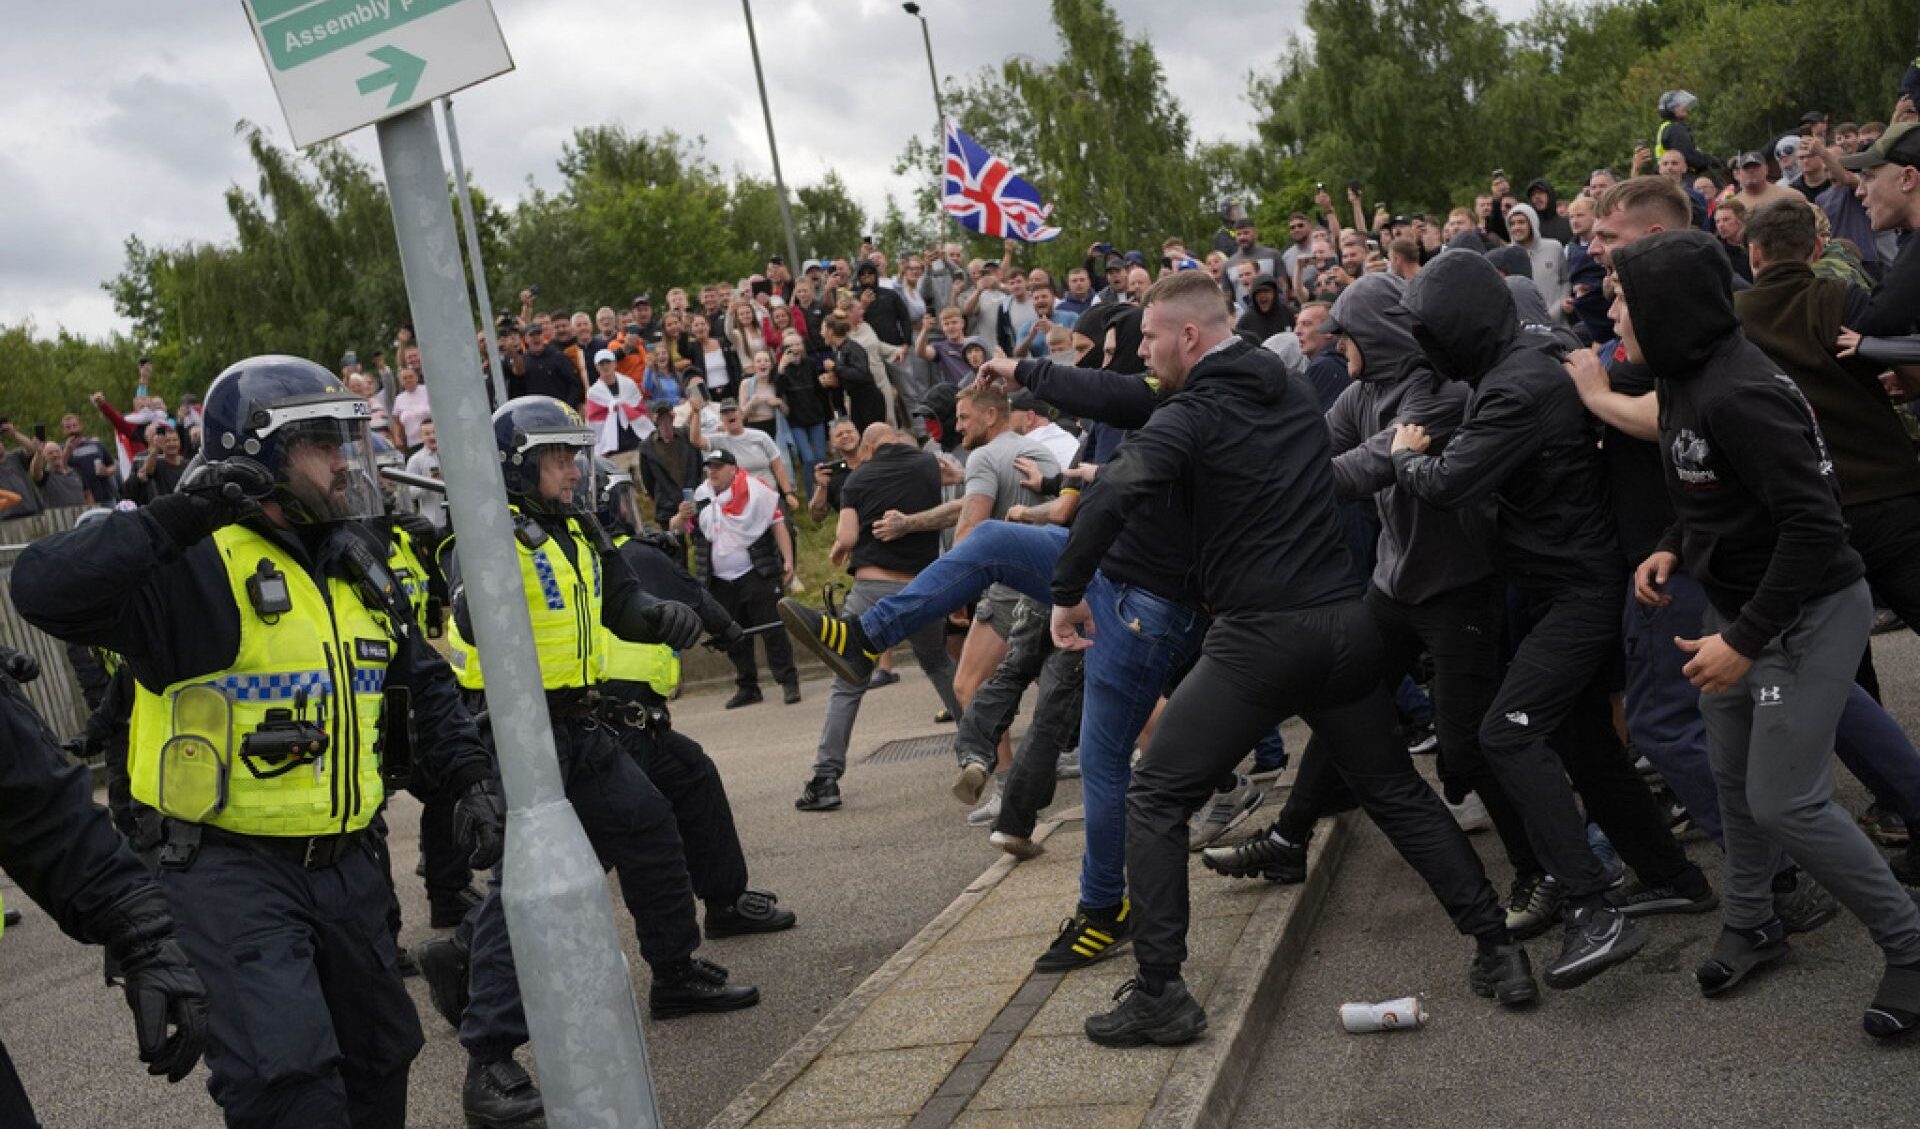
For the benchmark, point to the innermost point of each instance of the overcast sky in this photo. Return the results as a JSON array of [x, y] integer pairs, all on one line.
[[120, 113]]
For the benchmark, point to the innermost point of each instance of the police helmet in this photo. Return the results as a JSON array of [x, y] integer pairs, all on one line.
[[530, 433], [1675, 100], [304, 427]]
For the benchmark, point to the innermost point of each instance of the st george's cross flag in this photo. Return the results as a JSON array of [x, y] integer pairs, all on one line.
[[988, 197]]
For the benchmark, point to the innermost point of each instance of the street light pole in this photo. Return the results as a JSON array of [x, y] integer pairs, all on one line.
[[473, 257], [779, 182], [940, 129]]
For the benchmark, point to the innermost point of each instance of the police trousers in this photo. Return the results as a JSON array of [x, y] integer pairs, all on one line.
[[311, 1025]]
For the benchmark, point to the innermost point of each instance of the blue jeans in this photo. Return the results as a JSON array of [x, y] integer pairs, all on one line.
[[810, 443], [1139, 641], [1876, 750], [1020, 556], [1662, 707]]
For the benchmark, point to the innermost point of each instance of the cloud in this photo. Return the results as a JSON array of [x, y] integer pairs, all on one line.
[[125, 126]]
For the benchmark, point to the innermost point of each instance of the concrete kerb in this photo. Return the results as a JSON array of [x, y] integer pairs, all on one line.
[[1209, 1077], [790, 1066], [1206, 1081]]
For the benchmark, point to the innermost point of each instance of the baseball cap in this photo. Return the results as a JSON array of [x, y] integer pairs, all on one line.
[[1137, 258], [604, 357], [772, 259], [730, 405], [643, 300], [1748, 159], [1402, 220], [1812, 117], [720, 455], [662, 407], [812, 264], [1900, 145], [1115, 262], [1024, 401]]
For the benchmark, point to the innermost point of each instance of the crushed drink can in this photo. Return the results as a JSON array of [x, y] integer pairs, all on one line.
[[1362, 1018]]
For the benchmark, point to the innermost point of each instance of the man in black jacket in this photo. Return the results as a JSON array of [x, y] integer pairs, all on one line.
[[1527, 444], [1248, 444], [1759, 525], [66, 855]]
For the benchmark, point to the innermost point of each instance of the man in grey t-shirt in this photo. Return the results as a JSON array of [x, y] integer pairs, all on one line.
[[754, 451]]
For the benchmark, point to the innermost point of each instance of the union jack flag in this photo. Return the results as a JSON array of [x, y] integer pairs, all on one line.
[[988, 197]]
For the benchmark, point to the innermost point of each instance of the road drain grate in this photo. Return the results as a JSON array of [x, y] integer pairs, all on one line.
[[911, 749]]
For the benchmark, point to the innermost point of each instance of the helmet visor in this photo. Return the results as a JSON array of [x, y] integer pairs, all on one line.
[[327, 471], [561, 479]]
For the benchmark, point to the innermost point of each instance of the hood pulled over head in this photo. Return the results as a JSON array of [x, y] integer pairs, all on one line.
[[1370, 312], [1462, 315], [1679, 291]]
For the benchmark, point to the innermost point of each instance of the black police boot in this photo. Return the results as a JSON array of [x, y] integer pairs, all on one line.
[[443, 965], [449, 908], [744, 698], [753, 911], [698, 987], [499, 1094]]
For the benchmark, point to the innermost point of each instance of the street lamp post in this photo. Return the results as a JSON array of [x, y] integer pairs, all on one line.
[[779, 182], [940, 130]]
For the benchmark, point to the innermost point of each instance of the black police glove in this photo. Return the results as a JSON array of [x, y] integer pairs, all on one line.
[[425, 536], [726, 640], [480, 822], [211, 495], [162, 988], [673, 623], [18, 665], [665, 542]]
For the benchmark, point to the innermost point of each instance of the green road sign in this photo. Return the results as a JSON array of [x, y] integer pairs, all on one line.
[[340, 64]]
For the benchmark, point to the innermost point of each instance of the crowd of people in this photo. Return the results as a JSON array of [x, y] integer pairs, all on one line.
[[1453, 484]]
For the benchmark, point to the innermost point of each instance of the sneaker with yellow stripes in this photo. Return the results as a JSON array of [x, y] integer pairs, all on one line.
[[837, 640], [1087, 938]]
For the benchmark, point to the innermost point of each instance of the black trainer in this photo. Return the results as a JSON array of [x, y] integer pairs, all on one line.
[[822, 793], [1503, 973], [449, 909], [754, 911], [1169, 1019], [1266, 856], [1803, 905], [1598, 937], [1637, 899], [443, 965], [499, 1094], [744, 698], [837, 641], [700, 987], [1534, 905], [1087, 939], [1739, 952], [790, 695]]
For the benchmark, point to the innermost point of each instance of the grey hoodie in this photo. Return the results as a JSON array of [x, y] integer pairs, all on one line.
[[1423, 551]]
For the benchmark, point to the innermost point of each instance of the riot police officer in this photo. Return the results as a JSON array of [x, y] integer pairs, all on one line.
[[266, 640], [65, 854], [645, 678], [578, 590]]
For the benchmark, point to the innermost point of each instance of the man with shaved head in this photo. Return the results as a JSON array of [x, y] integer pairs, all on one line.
[[893, 474], [1245, 439]]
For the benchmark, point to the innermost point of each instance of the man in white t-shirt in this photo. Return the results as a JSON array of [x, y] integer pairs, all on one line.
[[430, 504], [1031, 419], [744, 555], [753, 451]]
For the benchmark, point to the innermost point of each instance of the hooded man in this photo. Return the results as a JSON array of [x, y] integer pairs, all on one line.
[[1432, 586], [1265, 313], [1527, 444], [1553, 225], [1548, 257], [1759, 525]]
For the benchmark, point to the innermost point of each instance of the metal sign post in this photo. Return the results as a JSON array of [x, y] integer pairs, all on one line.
[[574, 980], [480, 293]]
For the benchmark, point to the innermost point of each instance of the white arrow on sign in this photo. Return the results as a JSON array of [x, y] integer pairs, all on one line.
[[337, 65]]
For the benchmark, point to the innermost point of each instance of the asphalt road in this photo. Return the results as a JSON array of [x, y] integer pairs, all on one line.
[[862, 880], [1638, 1046]]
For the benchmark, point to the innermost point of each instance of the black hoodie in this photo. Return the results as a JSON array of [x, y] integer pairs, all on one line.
[[1255, 326], [1553, 225], [1754, 493], [1526, 441], [1244, 443]]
